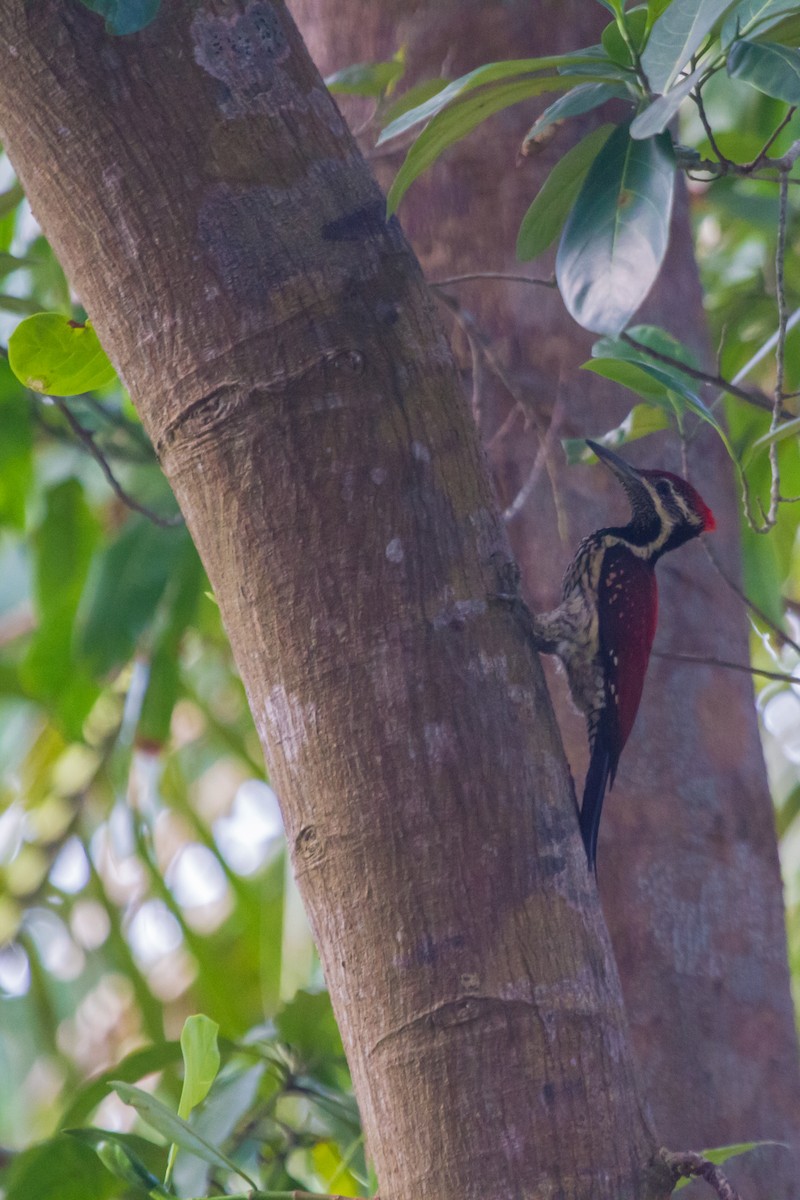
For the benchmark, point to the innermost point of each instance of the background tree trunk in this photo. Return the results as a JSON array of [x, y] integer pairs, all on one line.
[[688, 867], [284, 355]]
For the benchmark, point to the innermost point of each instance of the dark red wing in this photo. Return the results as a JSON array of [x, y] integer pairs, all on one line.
[[627, 614]]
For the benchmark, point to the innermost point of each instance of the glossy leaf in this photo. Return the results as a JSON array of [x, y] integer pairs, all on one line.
[[753, 18], [124, 16], [788, 429], [642, 420], [51, 354], [616, 235], [678, 34], [580, 99], [460, 119], [373, 79], [657, 115], [490, 73], [174, 1128], [773, 70], [545, 218], [649, 337]]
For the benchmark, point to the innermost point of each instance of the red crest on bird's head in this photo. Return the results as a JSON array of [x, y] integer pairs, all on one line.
[[689, 493]]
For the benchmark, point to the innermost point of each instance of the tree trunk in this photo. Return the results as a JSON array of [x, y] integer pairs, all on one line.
[[688, 868], [229, 244]]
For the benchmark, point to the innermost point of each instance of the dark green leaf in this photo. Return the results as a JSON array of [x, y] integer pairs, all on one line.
[[640, 421], [63, 547], [308, 1025], [753, 18], [487, 74], [772, 69], [545, 218], [117, 1154], [174, 1129], [373, 79], [51, 354], [124, 16], [580, 99], [128, 583], [58, 1169], [616, 235], [678, 34], [11, 262], [460, 119], [651, 337], [11, 199], [16, 446]]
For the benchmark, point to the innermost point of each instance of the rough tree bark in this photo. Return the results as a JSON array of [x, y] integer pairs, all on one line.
[[688, 865], [282, 349]]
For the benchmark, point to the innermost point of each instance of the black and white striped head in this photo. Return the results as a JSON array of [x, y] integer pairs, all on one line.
[[666, 510]]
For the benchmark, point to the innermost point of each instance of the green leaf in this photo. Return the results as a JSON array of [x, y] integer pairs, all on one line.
[[124, 16], [118, 1156], [174, 1128], [489, 73], [753, 18], [616, 235], [373, 79], [16, 449], [308, 1025], [415, 96], [615, 45], [580, 99], [656, 116], [788, 429], [125, 588], [721, 1154], [642, 420], [200, 1061], [773, 70], [51, 354], [651, 337], [677, 34], [60, 1168], [11, 199], [545, 218], [63, 547], [460, 119]]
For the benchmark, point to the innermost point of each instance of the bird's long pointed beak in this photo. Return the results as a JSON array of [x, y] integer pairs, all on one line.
[[622, 469]]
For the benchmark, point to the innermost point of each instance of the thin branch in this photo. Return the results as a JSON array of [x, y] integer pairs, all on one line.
[[686, 1165], [750, 397], [708, 661], [722, 160], [548, 283], [761, 156], [754, 608], [86, 439]]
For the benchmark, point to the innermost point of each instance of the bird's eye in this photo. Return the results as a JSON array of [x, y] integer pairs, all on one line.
[[663, 488]]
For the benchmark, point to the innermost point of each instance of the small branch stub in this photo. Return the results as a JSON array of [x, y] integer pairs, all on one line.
[[687, 1165]]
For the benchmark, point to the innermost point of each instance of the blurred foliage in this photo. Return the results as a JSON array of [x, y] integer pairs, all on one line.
[[143, 874]]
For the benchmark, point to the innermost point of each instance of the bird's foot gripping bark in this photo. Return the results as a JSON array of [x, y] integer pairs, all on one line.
[[688, 1165], [508, 593]]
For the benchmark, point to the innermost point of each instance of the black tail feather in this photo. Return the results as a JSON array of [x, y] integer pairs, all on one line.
[[594, 791]]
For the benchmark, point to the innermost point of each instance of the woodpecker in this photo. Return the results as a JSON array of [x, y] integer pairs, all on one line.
[[604, 627]]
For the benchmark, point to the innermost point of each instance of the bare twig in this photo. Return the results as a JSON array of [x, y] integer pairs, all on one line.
[[499, 275], [686, 1165], [712, 141], [86, 439], [754, 608], [762, 154], [750, 397], [709, 661]]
